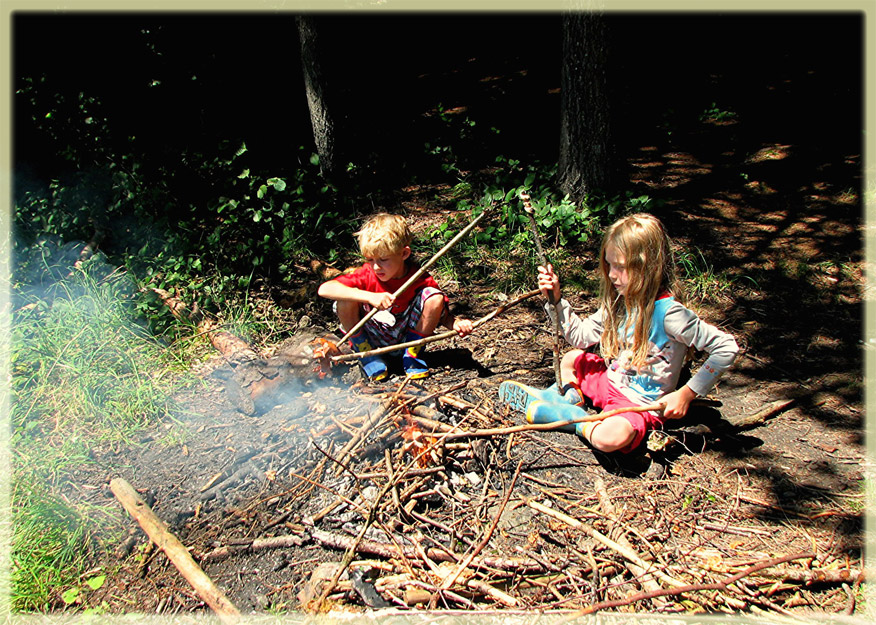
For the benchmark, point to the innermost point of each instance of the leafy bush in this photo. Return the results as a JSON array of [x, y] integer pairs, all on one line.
[[205, 218], [207, 230], [503, 246]]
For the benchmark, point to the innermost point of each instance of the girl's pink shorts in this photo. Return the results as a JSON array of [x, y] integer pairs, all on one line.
[[592, 376]]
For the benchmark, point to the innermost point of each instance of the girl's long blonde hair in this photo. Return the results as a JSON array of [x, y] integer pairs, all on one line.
[[645, 246]]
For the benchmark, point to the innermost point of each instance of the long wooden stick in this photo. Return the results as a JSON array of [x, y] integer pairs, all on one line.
[[678, 590], [527, 206], [629, 554], [435, 337], [390, 550], [547, 427], [416, 275], [175, 551], [642, 575]]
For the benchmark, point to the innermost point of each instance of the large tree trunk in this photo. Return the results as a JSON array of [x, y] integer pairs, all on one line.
[[587, 159], [319, 100]]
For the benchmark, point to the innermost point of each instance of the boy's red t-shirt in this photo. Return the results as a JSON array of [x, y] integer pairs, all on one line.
[[365, 279]]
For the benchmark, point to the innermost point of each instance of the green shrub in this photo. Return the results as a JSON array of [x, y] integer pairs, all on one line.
[[503, 247]]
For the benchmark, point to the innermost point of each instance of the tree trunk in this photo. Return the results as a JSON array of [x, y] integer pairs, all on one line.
[[318, 96], [587, 154]]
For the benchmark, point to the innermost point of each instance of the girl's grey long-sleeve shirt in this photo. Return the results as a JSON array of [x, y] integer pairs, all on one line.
[[674, 328]]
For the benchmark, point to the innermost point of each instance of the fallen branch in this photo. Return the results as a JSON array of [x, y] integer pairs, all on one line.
[[389, 551], [720, 586], [818, 576], [760, 417], [257, 544], [629, 554], [174, 550], [645, 578], [492, 592]]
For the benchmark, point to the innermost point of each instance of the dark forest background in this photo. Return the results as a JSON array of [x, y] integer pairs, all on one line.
[[238, 76], [128, 128]]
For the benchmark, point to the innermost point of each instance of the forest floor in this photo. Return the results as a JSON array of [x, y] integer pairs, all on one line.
[[716, 498]]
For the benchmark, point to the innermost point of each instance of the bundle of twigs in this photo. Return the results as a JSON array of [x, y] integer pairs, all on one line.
[[421, 509]]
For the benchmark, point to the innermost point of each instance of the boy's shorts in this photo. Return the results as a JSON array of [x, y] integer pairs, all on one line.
[[382, 334], [592, 375]]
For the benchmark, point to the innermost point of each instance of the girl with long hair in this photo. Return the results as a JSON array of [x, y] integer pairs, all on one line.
[[643, 333]]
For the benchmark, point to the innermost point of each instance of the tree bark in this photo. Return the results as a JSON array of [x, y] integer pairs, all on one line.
[[319, 102], [587, 160]]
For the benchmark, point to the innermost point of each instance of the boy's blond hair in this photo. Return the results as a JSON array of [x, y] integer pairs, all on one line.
[[383, 234]]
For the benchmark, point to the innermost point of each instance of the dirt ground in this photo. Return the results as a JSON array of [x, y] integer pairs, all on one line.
[[706, 502]]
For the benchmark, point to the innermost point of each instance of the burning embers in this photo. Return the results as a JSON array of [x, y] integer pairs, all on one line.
[[322, 351], [418, 444]]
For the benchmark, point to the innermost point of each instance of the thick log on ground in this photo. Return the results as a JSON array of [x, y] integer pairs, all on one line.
[[175, 551]]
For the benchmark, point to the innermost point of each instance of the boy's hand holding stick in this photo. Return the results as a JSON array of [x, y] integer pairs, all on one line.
[[415, 277], [552, 299], [436, 337]]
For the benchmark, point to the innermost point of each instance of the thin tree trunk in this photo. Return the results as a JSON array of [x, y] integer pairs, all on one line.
[[318, 101], [587, 159]]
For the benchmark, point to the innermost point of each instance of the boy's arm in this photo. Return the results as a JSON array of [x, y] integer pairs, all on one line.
[[341, 292]]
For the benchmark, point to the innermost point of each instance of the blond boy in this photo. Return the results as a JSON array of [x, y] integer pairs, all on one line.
[[384, 242]]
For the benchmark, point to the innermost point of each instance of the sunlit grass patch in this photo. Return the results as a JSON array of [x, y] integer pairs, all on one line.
[[701, 281], [84, 372], [50, 545]]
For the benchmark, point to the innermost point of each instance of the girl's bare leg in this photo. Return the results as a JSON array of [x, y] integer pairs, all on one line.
[[610, 434], [567, 366]]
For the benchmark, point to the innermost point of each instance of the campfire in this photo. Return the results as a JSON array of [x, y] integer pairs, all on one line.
[[410, 495], [431, 495]]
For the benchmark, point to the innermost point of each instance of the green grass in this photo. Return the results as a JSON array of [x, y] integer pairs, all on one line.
[[83, 373], [50, 546], [699, 277]]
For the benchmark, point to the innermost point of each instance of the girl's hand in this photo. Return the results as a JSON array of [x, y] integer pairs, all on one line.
[[677, 402], [463, 327], [549, 283], [380, 301]]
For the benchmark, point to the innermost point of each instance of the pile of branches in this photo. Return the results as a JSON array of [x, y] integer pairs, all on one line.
[[421, 496]]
